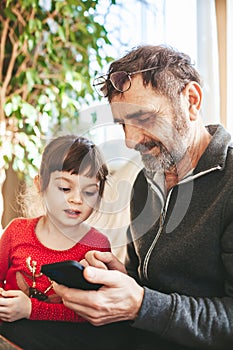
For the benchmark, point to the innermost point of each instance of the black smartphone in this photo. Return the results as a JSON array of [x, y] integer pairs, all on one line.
[[69, 273]]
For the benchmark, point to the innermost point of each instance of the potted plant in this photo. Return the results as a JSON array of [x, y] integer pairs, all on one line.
[[46, 50]]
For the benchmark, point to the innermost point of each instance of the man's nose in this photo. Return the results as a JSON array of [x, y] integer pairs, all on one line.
[[133, 135]]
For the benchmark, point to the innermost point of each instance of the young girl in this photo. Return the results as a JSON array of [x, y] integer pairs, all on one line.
[[71, 182]]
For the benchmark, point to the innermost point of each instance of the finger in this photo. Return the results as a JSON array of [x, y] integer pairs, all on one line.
[[61, 290], [97, 320], [87, 304], [84, 262], [110, 278], [94, 311], [3, 302], [73, 296], [93, 259], [110, 260], [75, 299], [105, 257], [3, 318], [10, 293]]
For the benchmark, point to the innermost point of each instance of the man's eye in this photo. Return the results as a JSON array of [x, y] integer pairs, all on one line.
[[64, 189], [142, 121], [146, 119]]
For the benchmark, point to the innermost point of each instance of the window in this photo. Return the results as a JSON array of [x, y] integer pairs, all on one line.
[[190, 26]]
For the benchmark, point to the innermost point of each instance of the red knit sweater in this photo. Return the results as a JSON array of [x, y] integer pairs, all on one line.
[[19, 246]]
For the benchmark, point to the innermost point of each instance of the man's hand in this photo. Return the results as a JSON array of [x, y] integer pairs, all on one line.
[[14, 305], [103, 260], [119, 299]]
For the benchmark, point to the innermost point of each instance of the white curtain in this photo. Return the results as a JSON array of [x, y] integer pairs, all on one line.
[[191, 27], [229, 28], [208, 61]]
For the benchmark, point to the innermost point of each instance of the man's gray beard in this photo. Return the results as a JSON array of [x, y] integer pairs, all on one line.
[[162, 162]]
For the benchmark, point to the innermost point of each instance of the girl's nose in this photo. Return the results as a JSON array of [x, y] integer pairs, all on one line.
[[75, 197]]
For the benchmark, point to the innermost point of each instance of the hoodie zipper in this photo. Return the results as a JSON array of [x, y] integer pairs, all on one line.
[[161, 224], [163, 216]]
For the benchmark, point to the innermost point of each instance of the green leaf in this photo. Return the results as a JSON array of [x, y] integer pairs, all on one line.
[[61, 33], [9, 14], [29, 111], [19, 151], [8, 108], [16, 101], [30, 79], [50, 79]]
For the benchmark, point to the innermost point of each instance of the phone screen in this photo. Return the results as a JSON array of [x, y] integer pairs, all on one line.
[[69, 273]]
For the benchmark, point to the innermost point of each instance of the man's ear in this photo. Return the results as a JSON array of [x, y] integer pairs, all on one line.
[[193, 94], [37, 182]]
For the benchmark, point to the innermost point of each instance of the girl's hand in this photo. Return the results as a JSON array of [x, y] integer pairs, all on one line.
[[103, 260], [14, 305]]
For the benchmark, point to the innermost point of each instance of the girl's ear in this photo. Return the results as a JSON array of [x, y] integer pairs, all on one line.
[[193, 93], [37, 182]]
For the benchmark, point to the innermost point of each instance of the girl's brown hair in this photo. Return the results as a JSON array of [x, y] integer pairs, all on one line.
[[76, 155]]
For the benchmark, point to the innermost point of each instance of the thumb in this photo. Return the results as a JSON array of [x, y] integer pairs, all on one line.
[[10, 293], [109, 278]]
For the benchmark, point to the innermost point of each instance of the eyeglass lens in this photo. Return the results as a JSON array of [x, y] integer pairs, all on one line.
[[121, 81], [100, 85]]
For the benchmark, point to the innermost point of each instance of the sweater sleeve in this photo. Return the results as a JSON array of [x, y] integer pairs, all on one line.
[[202, 322], [53, 312]]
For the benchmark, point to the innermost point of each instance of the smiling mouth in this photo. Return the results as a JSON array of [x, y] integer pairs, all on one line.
[[147, 147]]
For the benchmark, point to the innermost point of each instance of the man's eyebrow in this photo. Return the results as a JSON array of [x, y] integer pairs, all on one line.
[[118, 120], [137, 114], [133, 115]]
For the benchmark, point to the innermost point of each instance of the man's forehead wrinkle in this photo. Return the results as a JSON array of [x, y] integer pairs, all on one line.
[[132, 106]]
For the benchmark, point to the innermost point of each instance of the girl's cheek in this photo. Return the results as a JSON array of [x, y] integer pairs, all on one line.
[[93, 201]]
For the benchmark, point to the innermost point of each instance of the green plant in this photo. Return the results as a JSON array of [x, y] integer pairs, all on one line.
[[46, 51]]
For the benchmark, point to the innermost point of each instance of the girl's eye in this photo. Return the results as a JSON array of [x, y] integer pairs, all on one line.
[[64, 189], [90, 194]]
